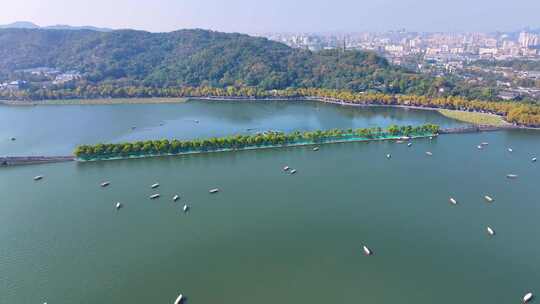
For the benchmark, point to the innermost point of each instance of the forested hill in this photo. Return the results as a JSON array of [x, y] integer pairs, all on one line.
[[200, 58]]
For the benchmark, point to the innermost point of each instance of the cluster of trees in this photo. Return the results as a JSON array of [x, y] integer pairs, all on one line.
[[156, 147]]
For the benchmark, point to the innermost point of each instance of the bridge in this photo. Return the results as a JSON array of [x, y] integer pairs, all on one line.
[[474, 129], [30, 160]]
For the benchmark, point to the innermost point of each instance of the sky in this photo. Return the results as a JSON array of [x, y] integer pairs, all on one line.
[[258, 16]]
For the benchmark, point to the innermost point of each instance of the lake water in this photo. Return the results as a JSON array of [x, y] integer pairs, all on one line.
[[267, 236], [57, 130]]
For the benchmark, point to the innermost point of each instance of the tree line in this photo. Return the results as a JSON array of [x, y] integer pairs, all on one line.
[[165, 146], [525, 114]]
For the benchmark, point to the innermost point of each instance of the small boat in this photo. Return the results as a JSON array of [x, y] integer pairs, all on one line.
[[185, 208], [133, 128], [480, 147], [453, 201], [367, 251], [399, 141], [118, 205], [512, 176], [484, 143], [534, 159], [196, 121], [409, 145], [39, 177], [216, 190], [388, 156], [431, 138], [429, 153], [179, 299], [527, 297], [316, 149], [105, 184], [488, 198], [490, 231], [510, 150], [154, 196], [154, 186], [175, 198], [161, 124], [286, 168], [293, 171], [13, 139]]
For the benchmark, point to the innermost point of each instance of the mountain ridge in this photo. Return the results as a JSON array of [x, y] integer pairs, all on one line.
[[31, 25]]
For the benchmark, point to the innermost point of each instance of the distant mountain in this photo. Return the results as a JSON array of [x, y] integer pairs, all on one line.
[[20, 25], [30, 25], [69, 27]]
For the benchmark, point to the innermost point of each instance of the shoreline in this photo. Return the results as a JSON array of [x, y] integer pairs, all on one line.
[[98, 101], [173, 100]]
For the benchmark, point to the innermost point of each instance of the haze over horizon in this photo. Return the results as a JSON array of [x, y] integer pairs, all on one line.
[[280, 15]]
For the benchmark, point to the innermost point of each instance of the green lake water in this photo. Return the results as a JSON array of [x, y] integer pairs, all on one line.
[[267, 236]]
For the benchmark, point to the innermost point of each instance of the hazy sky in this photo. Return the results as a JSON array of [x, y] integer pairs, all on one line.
[[252, 16]]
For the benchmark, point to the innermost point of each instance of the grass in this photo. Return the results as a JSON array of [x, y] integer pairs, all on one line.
[[475, 118]]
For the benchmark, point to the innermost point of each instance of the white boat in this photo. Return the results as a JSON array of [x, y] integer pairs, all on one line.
[[510, 150], [216, 190], [286, 168], [429, 153], [388, 156], [293, 171], [39, 177], [175, 198], [453, 201], [399, 141], [512, 176], [490, 231], [118, 205], [154, 196], [154, 186], [185, 208], [367, 251], [534, 159], [316, 149], [409, 145], [179, 299], [105, 184], [431, 138], [484, 143], [527, 297], [488, 198], [480, 147]]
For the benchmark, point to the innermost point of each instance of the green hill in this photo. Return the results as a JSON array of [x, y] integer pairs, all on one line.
[[199, 58]]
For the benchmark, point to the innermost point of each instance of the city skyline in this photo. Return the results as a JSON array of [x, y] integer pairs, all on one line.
[[281, 16]]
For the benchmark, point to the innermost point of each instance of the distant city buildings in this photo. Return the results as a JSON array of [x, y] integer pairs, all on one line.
[[440, 47]]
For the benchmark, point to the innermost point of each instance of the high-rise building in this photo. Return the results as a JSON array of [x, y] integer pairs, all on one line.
[[528, 39]]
